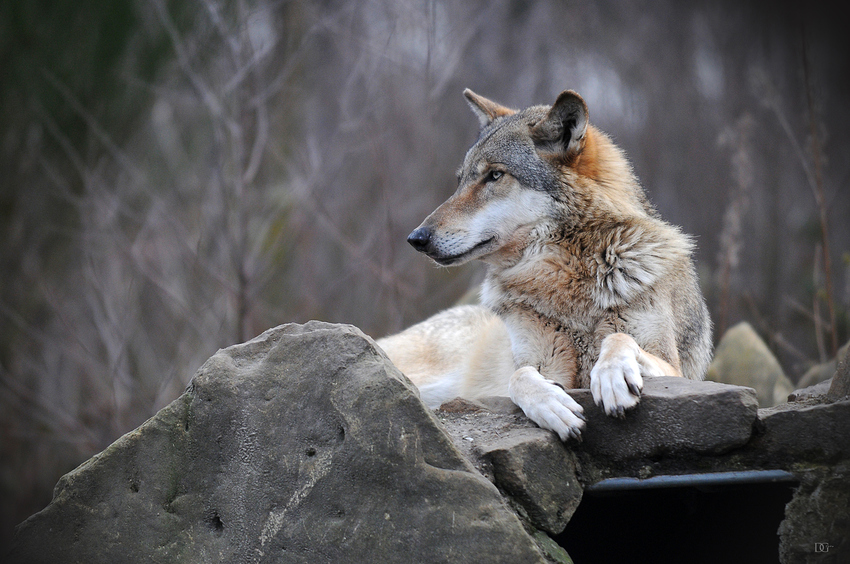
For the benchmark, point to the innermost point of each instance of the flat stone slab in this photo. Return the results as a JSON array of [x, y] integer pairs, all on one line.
[[674, 415], [805, 431], [302, 445]]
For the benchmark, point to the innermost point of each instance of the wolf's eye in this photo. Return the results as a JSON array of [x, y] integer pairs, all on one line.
[[493, 175]]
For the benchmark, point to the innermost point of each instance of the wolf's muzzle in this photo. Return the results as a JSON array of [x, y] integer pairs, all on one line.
[[420, 239]]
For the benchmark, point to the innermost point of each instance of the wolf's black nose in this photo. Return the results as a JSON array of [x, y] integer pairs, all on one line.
[[420, 238]]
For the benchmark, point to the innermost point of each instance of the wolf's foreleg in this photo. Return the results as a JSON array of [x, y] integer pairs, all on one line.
[[546, 403], [616, 379]]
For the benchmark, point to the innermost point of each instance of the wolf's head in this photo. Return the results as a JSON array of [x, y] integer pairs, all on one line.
[[531, 173]]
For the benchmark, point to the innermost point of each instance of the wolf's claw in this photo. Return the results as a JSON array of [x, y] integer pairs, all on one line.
[[615, 380]]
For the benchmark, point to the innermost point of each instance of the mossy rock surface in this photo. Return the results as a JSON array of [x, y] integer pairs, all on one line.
[[743, 359]]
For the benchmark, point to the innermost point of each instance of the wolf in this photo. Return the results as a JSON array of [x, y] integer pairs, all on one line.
[[585, 286]]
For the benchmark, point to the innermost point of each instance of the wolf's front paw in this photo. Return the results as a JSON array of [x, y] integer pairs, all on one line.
[[615, 380], [546, 403]]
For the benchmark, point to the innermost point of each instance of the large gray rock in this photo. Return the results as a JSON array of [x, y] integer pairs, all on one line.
[[674, 416], [303, 445], [743, 359]]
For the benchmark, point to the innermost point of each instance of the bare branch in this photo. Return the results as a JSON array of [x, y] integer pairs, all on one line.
[[200, 85], [817, 188]]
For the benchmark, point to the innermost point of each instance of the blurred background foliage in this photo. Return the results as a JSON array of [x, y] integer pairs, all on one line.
[[180, 176]]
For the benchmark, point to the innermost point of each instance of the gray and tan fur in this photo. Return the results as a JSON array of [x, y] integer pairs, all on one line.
[[586, 285]]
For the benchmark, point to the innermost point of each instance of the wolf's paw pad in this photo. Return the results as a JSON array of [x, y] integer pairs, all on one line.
[[547, 404], [616, 384]]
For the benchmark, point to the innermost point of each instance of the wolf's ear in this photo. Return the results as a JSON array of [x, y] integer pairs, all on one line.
[[485, 109], [564, 126]]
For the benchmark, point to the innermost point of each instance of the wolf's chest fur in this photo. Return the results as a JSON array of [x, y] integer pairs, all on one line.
[[572, 291]]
